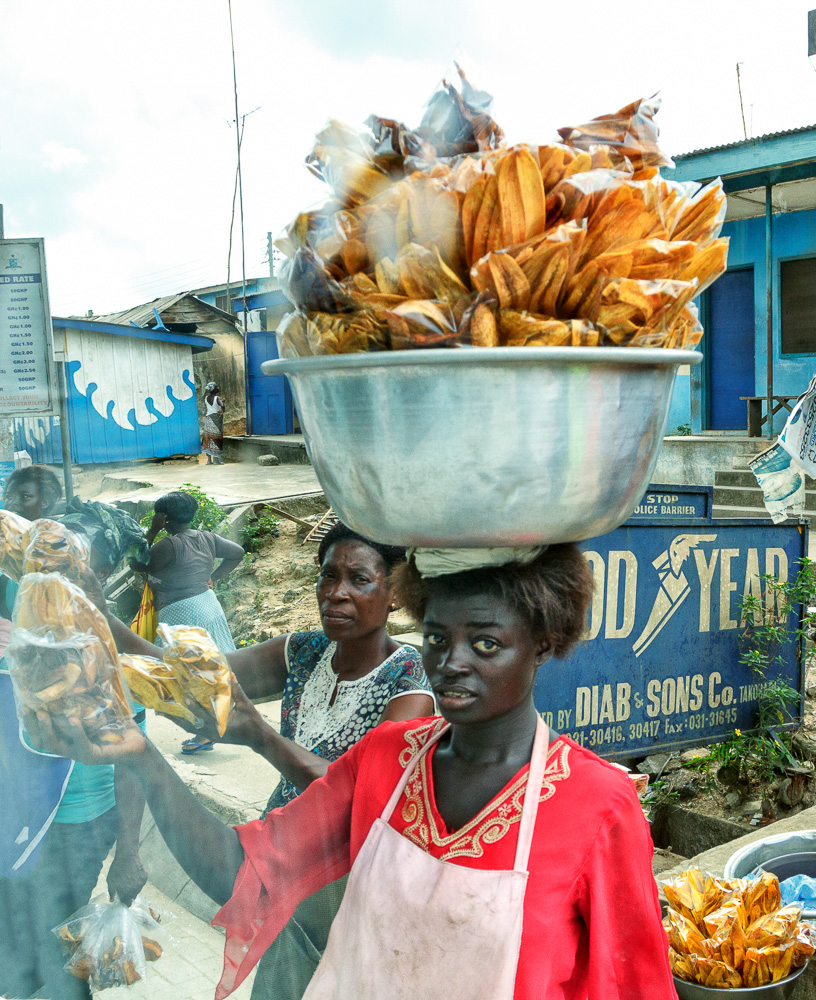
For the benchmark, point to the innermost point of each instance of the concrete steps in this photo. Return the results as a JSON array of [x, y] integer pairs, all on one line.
[[737, 494], [290, 449]]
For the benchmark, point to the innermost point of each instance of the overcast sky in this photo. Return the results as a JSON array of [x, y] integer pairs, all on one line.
[[117, 141]]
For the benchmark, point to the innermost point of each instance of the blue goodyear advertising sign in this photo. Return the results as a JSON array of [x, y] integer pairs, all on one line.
[[660, 665]]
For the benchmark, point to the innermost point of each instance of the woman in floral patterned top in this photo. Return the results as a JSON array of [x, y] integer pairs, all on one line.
[[337, 685]]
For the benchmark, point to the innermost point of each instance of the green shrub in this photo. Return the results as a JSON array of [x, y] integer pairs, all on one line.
[[208, 517]]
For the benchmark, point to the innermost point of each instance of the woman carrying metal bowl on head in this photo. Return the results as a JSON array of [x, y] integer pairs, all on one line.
[[489, 858]]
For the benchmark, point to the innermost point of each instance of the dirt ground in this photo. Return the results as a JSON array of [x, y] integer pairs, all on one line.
[[273, 592], [694, 780]]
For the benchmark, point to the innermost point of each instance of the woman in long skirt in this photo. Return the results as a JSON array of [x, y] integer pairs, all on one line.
[[213, 437]]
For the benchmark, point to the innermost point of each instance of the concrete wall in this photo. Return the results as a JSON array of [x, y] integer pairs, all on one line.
[[680, 409], [693, 461], [224, 364]]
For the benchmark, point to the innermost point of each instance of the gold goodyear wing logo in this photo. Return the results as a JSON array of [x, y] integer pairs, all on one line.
[[674, 587]]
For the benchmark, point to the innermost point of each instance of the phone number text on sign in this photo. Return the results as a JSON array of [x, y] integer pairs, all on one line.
[[660, 666]]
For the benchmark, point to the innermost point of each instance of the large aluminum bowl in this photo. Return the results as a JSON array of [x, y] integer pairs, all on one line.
[[773, 991], [484, 446], [784, 854]]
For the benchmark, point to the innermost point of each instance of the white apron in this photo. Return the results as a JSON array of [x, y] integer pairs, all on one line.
[[411, 927]]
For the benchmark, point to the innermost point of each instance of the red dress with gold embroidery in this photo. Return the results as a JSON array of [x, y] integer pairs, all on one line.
[[591, 913]]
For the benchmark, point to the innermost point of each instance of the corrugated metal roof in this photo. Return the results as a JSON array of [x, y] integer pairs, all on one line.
[[99, 325], [142, 314], [746, 142]]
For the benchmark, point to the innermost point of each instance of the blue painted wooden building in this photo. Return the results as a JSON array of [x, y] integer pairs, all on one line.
[[131, 395], [760, 316]]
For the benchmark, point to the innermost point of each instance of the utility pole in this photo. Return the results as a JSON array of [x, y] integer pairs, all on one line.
[[270, 253], [239, 128], [742, 109]]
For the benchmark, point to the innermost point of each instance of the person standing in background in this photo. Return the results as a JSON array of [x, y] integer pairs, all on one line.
[[213, 437]]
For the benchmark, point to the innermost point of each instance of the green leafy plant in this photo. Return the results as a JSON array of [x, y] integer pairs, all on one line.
[[767, 638], [259, 530], [658, 794], [683, 430], [208, 516]]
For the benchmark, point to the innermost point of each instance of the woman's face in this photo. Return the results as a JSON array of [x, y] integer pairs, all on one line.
[[479, 655], [26, 499], [352, 591]]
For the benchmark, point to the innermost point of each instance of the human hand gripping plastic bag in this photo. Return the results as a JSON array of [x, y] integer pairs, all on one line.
[[13, 543], [62, 658], [109, 944], [200, 668]]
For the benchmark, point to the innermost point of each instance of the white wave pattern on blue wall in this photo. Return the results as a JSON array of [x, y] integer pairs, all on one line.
[[126, 372]]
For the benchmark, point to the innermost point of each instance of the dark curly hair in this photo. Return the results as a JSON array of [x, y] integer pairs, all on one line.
[[45, 479], [391, 555], [177, 506], [553, 592]]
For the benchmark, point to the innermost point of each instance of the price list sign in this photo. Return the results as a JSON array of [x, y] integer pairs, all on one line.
[[27, 369]]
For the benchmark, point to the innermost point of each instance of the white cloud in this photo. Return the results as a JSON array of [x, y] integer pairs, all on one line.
[[124, 157], [57, 156]]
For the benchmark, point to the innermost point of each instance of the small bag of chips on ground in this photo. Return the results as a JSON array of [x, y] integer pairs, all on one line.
[[53, 548], [153, 684], [200, 668], [104, 945], [13, 543]]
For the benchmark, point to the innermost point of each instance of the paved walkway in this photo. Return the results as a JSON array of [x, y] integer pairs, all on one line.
[[233, 781], [230, 484], [190, 966]]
